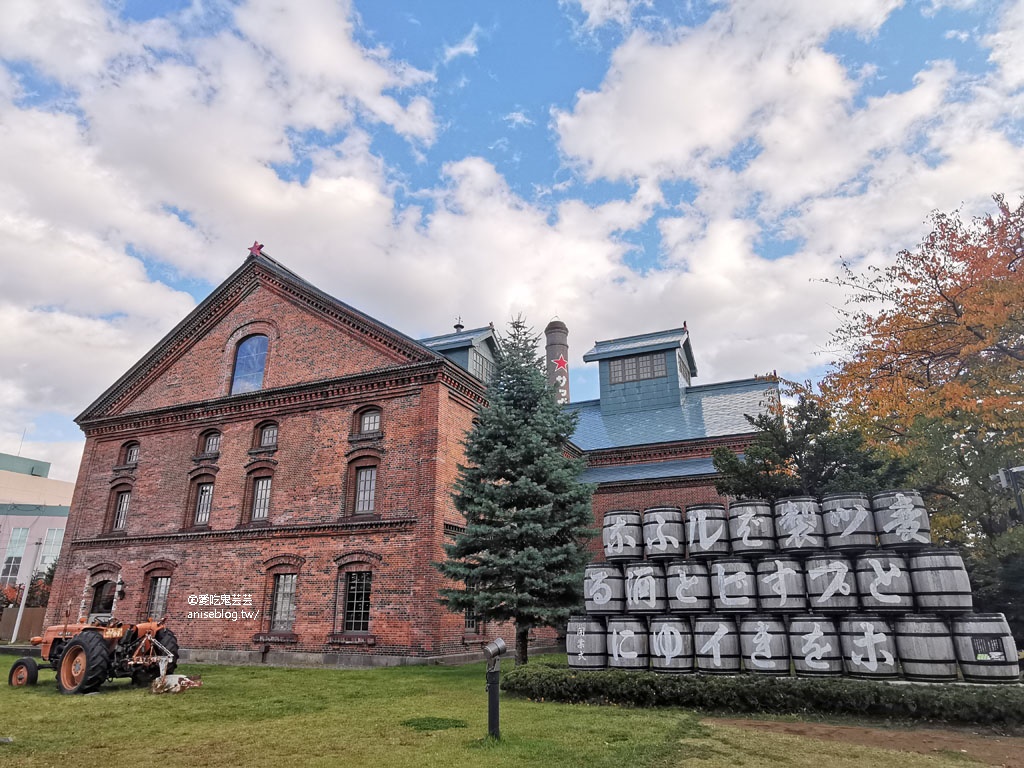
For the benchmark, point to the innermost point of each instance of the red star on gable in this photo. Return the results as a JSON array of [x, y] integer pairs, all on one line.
[[257, 248], [561, 364]]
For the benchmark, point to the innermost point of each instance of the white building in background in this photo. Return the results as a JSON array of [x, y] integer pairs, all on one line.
[[33, 515]]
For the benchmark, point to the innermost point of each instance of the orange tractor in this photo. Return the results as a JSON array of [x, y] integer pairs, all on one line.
[[85, 656]]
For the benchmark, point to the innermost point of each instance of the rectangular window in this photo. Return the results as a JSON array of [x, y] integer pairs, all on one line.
[[357, 601], [472, 627], [637, 368], [370, 422], [51, 547], [480, 366], [615, 371], [124, 499], [260, 498], [204, 500], [366, 488], [12, 560], [212, 443], [282, 603], [268, 436], [131, 456], [159, 586]]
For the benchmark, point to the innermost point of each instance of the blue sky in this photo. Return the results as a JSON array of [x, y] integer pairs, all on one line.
[[624, 165]]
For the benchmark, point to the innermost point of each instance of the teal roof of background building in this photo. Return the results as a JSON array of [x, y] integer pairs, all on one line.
[[34, 510], [23, 466], [710, 410]]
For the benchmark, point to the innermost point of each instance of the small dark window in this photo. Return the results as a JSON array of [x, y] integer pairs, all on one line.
[[250, 361], [268, 436], [212, 443], [156, 606], [357, 601], [204, 502], [121, 504], [366, 488], [369, 421], [282, 603], [261, 498], [103, 597], [472, 625]]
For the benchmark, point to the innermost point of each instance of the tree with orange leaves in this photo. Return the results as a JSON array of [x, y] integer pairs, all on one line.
[[934, 360]]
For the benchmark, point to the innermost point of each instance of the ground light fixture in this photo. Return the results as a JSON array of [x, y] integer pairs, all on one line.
[[493, 652]]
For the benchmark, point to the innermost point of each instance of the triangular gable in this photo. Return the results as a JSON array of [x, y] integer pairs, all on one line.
[[324, 338]]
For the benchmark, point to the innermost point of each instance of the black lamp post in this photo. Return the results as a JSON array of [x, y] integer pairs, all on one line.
[[492, 652]]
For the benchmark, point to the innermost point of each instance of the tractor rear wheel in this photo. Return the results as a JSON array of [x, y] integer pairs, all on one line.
[[85, 664], [167, 639], [25, 671]]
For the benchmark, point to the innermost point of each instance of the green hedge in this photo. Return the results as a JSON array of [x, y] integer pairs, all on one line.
[[948, 703]]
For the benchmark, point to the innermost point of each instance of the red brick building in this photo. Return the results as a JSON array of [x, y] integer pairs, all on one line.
[[275, 474]]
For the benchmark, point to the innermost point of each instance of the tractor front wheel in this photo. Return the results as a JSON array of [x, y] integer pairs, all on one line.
[[25, 671], [84, 665]]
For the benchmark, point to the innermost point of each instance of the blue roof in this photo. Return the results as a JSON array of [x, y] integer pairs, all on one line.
[[710, 410], [468, 338], [675, 338], [652, 471]]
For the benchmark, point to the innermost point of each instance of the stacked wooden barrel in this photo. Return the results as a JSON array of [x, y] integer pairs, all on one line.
[[848, 585]]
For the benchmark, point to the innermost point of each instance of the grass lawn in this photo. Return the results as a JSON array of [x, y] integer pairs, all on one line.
[[405, 716]]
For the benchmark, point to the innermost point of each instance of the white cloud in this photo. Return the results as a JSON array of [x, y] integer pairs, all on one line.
[[601, 12], [465, 47], [518, 119]]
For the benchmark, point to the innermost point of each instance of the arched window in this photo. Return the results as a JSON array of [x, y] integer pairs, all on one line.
[[265, 436], [129, 453], [368, 421], [352, 597], [102, 598], [250, 360], [209, 443], [200, 501], [118, 506]]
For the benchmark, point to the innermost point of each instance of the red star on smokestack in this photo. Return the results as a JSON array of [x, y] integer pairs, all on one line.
[[561, 364]]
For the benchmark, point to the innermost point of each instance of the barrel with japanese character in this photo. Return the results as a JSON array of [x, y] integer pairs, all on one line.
[[985, 648], [751, 528], [901, 520], [815, 647], [627, 643], [883, 582], [645, 588], [689, 587], [716, 645], [798, 526], [848, 521], [831, 583], [664, 533], [707, 533], [764, 645], [780, 585], [869, 647], [586, 643], [622, 535], [732, 586], [604, 589], [925, 647], [940, 581], [671, 644]]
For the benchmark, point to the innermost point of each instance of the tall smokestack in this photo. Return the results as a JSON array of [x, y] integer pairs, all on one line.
[[557, 355]]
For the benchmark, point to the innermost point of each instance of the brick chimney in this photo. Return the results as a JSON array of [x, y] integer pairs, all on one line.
[[557, 356]]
